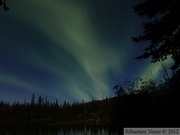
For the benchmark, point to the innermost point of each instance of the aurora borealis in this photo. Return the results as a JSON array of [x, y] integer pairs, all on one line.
[[69, 50]]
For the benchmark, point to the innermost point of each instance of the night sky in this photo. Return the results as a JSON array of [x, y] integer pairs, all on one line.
[[69, 50]]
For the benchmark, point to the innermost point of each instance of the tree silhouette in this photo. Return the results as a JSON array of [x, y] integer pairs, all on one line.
[[161, 30], [119, 90], [3, 3], [40, 101], [33, 99]]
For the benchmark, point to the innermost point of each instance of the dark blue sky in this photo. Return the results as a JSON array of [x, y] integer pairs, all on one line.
[[69, 50]]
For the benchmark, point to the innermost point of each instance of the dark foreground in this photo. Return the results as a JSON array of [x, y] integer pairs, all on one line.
[[154, 106]]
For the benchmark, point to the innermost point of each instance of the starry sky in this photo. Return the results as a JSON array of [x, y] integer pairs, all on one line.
[[69, 50]]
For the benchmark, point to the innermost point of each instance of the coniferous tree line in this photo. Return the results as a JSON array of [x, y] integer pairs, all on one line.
[[44, 110]]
